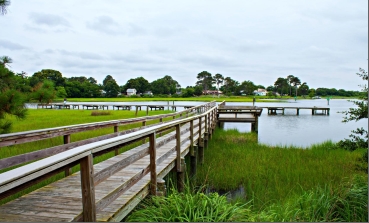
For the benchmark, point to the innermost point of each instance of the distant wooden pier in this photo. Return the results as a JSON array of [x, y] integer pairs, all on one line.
[[314, 110], [245, 114]]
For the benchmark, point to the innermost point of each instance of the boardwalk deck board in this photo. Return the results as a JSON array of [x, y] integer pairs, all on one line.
[[61, 200]]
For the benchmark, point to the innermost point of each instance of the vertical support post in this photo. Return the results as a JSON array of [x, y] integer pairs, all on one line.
[[162, 190], [136, 111], [193, 162], [152, 151], [178, 148], [66, 139], [147, 110], [88, 190], [180, 175], [298, 111]]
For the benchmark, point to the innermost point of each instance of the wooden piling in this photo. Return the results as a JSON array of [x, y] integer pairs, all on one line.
[[181, 175], [161, 188]]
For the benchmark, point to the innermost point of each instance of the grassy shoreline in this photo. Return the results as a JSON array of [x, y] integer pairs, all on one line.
[[273, 173], [200, 98]]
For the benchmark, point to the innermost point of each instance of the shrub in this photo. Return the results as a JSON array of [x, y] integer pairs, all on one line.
[[97, 113]]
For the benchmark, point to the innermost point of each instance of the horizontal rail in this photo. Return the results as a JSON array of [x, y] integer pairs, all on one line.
[[35, 135], [13, 179]]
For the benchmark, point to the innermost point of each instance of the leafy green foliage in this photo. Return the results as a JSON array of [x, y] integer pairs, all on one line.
[[11, 100], [44, 92], [359, 138]]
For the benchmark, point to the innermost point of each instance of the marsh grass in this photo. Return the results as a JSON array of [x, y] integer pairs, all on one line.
[[271, 174], [189, 206]]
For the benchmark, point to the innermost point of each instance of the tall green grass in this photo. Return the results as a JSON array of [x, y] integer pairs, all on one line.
[[190, 206], [271, 174], [346, 202]]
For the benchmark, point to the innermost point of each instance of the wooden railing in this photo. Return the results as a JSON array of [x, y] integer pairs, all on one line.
[[66, 131], [17, 179]]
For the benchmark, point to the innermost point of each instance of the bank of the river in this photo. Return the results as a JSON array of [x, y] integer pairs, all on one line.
[[200, 98]]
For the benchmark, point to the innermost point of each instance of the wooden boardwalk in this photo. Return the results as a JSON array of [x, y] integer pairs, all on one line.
[[109, 190]]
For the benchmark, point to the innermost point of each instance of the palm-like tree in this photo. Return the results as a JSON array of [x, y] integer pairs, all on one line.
[[3, 6], [218, 80], [5, 60], [295, 81], [289, 81]]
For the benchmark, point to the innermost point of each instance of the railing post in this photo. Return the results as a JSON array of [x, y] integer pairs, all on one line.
[[147, 110], [144, 124], [88, 190], [152, 151], [68, 170], [178, 148], [116, 129]]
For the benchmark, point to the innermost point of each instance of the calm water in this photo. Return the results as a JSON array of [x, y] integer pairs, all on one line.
[[288, 129]]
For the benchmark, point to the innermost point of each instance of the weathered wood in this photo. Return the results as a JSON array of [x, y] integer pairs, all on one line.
[[181, 175], [178, 147], [162, 190], [152, 151], [119, 185], [88, 191], [109, 171], [193, 162]]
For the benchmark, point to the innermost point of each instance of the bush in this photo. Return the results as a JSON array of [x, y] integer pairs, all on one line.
[[189, 207]]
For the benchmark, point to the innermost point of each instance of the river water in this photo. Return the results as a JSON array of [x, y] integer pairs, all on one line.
[[288, 129]]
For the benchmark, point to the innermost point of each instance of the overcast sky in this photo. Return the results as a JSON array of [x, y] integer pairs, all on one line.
[[323, 42]]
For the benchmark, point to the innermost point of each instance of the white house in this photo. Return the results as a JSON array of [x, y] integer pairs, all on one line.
[[131, 91], [260, 92]]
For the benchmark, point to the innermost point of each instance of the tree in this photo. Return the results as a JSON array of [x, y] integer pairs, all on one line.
[[248, 87], [110, 87], [230, 85], [295, 81], [49, 74], [140, 84], [12, 101], [165, 85], [44, 92], [280, 84], [218, 80], [359, 138], [3, 6], [205, 79], [304, 89], [289, 81]]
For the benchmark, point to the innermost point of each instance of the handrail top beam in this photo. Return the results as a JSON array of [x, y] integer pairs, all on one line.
[[91, 148], [10, 136]]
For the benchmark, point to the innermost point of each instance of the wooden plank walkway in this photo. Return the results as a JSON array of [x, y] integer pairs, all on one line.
[[117, 184], [62, 200]]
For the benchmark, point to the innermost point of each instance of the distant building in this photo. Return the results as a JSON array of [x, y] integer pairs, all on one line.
[[131, 91], [148, 93], [260, 92]]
